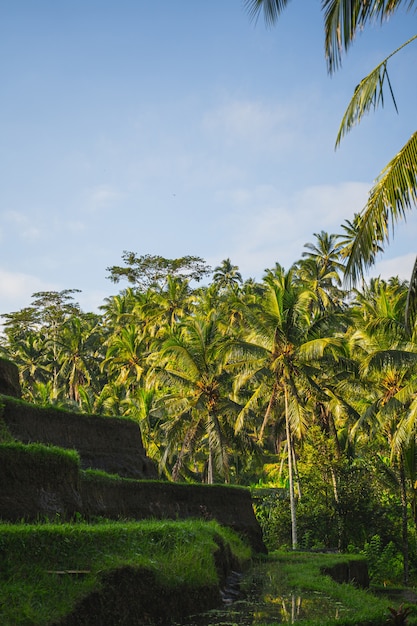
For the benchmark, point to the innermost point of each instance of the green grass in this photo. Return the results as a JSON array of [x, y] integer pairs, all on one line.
[[31, 593], [179, 553], [13, 449], [301, 571], [15, 404]]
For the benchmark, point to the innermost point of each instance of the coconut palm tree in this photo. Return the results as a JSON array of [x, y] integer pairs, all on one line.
[[29, 352], [125, 360], [118, 311], [279, 359], [321, 269], [227, 276], [79, 352], [163, 308], [190, 367], [394, 192], [389, 365]]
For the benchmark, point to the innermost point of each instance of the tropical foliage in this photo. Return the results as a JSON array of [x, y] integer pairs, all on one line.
[[291, 384], [394, 192]]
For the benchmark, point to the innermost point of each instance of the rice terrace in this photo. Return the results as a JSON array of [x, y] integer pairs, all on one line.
[[193, 440]]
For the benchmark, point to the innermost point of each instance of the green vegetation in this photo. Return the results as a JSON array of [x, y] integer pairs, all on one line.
[[48, 568], [303, 572], [394, 191], [48, 453], [296, 385], [293, 384]]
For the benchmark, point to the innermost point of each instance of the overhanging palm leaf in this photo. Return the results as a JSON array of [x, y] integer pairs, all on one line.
[[368, 94], [344, 18], [411, 305], [394, 193], [271, 9]]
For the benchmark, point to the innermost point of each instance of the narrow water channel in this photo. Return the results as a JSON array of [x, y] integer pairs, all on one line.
[[264, 599]]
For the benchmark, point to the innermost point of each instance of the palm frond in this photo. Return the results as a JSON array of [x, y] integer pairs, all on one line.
[[298, 415], [344, 18], [316, 348], [271, 9], [411, 304], [405, 429], [218, 444], [389, 360], [369, 94], [250, 405], [394, 193]]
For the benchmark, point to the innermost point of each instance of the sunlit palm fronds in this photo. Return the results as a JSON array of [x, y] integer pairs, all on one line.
[[343, 19], [369, 94], [394, 193]]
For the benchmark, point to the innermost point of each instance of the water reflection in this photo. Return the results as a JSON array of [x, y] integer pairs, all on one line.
[[266, 600]]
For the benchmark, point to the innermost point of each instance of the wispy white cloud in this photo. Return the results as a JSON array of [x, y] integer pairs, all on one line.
[[258, 125], [39, 227], [26, 227], [103, 197], [18, 287], [266, 228]]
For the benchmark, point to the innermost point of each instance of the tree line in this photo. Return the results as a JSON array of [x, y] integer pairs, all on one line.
[[292, 381]]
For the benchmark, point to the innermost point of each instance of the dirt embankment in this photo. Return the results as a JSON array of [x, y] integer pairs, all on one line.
[[111, 444], [134, 597], [38, 486]]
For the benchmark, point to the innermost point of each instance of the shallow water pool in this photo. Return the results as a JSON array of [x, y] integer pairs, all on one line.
[[264, 599]]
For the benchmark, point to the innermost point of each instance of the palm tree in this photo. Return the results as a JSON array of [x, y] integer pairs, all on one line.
[[79, 353], [29, 352], [118, 311], [326, 251], [227, 276], [351, 231], [125, 359], [389, 365], [190, 366], [165, 307], [279, 357], [395, 191], [321, 269]]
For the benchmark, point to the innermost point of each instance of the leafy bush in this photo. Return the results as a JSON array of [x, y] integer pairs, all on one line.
[[385, 563]]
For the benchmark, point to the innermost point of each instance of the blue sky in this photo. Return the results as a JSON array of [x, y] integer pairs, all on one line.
[[180, 127]]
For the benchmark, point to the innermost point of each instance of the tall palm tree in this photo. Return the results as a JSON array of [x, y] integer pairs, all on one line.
[[125, 360], [79, 349], [190, 366], [351, 231], [118, 311], [165, 307], [321, 269], [279, 358], [389, 364], [394, 192], [29, 352]]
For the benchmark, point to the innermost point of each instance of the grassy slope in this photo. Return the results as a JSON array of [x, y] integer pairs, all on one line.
[[31, 593]]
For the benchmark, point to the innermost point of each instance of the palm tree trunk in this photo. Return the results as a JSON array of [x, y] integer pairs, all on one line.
[[268, 411], [296, 474], [404, 517], [210, 468], [290, 474]]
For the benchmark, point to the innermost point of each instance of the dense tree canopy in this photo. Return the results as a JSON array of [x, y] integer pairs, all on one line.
[[241, 380]]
